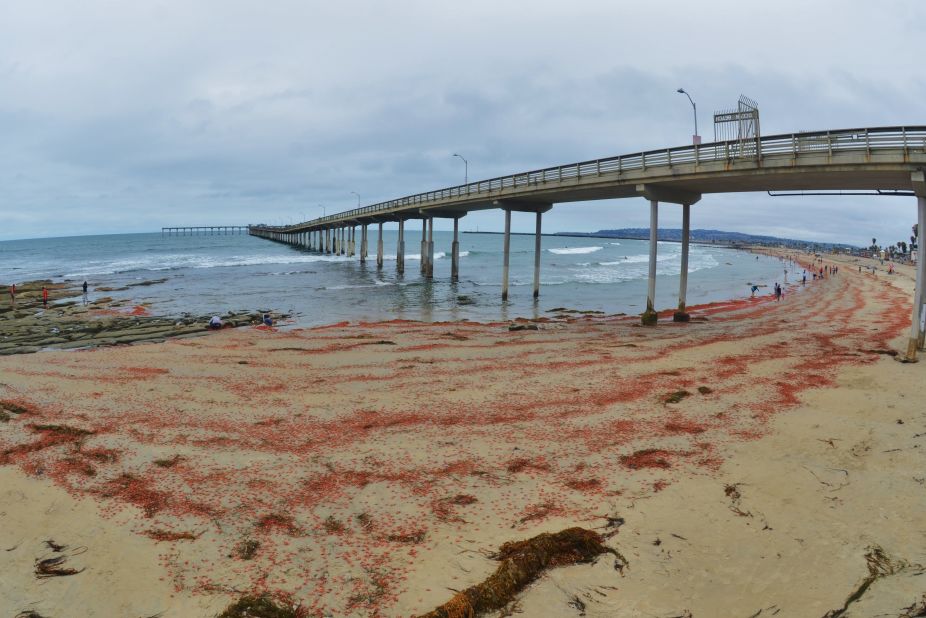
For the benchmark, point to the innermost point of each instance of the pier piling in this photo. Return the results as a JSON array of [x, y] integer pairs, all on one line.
[[681, 315], [455, 251], [649, 316], [400, 249], [507, 252], [537, 257], [379, 247]]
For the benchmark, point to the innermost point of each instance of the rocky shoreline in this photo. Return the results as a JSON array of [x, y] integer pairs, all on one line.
[[68, 323]]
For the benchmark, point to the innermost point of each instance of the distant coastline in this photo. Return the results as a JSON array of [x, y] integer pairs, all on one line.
[[701, 236]]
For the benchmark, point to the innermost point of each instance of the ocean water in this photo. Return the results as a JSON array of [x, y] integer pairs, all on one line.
[[220, 273]]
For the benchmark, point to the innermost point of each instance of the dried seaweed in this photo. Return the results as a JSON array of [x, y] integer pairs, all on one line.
[[54, 567], [262, 606], [522, 562]]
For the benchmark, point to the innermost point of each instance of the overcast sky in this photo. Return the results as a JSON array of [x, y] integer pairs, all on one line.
[[123, 116]]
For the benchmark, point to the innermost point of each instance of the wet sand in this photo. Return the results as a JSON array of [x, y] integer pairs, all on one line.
[[764, 459]]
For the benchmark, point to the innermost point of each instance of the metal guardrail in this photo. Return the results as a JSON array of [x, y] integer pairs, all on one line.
[[795, 144]]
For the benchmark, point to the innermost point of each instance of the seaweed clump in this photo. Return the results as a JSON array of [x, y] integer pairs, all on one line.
[[262, 606], [522, 562]]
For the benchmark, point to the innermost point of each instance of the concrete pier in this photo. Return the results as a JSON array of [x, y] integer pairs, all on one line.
[[363, 243], [918, 297], [400, 249], [649, 316], [379, 247], [537, 256], [507, 257], [455, 251], [423, 265], [429, 269], [680, 314]]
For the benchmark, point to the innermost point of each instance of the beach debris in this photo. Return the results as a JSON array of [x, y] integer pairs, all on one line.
[[882, 351], [412, 538], [247, 548], [589, 484], [677, 396], [916, 610], [879, 565], [513, 327], [646, 458], [365, 520], [522, 562], [263, 606], [522, 463], [168, 463], [577, 603], [54, 567], [282, 522], [62, 430], [705, 390], [13, 408], [50, 543], [29, 613], [443, 508], [167, 535], [733, 493], [333, 525], [538, 512], [455, 336]]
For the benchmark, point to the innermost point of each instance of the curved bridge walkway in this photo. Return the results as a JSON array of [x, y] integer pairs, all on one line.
[[880, 158]]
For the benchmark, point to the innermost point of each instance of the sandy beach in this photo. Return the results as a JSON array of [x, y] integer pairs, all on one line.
[[765, 459]]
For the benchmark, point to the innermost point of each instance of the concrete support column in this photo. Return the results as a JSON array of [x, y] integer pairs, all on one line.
[[649, 316], [363, 243], [328, 240], [400, 249], [507, 252], [537, 257], [455, 252], [429, 271], [681, 315], [341, 242], [379, 248], [918, 298], [353, 244], [424, 246]]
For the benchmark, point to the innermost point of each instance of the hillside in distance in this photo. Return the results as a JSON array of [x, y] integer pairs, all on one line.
[[708, 236]]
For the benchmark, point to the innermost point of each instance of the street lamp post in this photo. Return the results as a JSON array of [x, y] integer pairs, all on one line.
[[695, 139], [358, 198], [465, 169], [324, 214]]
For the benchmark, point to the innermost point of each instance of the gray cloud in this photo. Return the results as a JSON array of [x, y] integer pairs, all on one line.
[[130, 116]]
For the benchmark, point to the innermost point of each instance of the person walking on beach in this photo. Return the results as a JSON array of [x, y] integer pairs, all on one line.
[[755, 289], [13, 296], [777, 292], [44, 297], [85, 292]]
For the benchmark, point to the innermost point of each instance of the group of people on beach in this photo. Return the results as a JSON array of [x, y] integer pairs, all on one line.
[[13, 293]]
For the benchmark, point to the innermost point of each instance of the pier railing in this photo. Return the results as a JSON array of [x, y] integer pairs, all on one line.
[[910, 139]]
